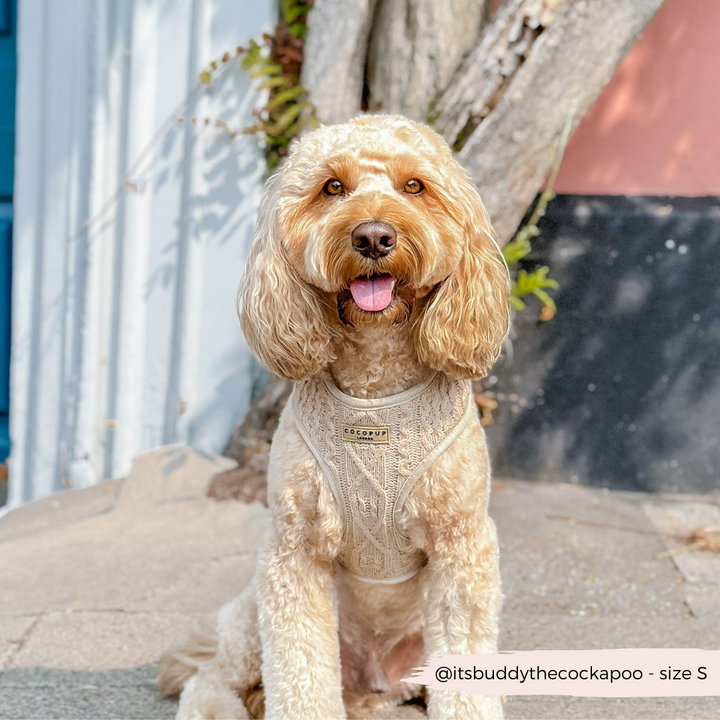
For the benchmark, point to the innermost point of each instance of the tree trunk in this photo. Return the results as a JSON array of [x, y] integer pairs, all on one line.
[[415, 47], [334, 57], [500, 101], [504, 107], [389, 55], [532, 63]]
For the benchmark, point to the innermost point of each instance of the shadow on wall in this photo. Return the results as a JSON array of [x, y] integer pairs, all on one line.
[[622, 388]]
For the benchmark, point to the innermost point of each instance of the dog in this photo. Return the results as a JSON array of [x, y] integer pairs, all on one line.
[[374, 280]]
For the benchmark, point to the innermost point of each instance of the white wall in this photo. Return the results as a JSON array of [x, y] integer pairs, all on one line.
[[125, 336]]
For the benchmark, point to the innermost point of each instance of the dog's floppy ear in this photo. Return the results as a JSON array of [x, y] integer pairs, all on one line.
[[280, 314], [465, 323]]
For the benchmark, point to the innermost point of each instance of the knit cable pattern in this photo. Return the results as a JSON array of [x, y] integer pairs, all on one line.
[[372, 481]]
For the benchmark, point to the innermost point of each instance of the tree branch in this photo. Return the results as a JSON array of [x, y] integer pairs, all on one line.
[[335, 53], [415, 47], [506, 105]]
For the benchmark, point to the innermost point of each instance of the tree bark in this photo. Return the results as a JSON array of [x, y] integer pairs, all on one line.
[[507, 104], [415, 47], [334, 57], [504, 107], [405, 50], [489, 67]]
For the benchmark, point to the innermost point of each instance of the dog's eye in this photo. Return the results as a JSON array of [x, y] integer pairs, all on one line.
[[334, 187], [413, 186]]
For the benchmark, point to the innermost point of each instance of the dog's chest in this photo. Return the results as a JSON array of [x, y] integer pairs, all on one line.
[[372, 452]]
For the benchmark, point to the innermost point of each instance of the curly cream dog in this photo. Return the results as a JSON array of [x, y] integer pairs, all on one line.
[[373, 272]]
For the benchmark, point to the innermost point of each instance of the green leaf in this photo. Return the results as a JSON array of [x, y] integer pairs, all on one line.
[[278, 141], [265, 70], [272, 161], [279, 81], [299, 30], [285, 96], [517, 303], [252, 58], [539, 277], [544, 298], [292, 14], [516, 250], [533, 283], [286, 119], [296, 127]]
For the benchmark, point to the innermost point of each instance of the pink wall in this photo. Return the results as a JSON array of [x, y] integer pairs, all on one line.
[[655, 130]]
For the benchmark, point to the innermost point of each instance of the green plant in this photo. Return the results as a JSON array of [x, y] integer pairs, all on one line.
[[537, 282], [275, 65]]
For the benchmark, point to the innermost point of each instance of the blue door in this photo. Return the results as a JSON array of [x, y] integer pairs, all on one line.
[[7, 161]]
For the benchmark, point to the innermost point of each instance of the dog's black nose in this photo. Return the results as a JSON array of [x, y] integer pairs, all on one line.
[[374, 239]]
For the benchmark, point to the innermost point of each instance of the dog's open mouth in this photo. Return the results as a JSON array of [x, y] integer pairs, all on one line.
[[373, 293]]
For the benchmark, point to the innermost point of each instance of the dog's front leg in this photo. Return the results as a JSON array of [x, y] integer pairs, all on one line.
[[299, 633], [463, 607]]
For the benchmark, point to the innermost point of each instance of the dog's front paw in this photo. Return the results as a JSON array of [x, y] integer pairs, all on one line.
[[206, 697]]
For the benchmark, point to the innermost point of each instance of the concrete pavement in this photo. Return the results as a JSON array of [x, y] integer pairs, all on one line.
[[96, 583]]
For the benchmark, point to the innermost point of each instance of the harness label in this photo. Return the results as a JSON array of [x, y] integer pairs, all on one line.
[[372, 435]]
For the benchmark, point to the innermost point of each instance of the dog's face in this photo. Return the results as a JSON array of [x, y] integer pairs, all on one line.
[[367, 216], [373, 223]]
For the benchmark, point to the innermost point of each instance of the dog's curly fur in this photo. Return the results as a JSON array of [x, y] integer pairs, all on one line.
[[317, 640]]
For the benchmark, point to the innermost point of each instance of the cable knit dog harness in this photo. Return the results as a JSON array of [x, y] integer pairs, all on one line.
[[372, 452]]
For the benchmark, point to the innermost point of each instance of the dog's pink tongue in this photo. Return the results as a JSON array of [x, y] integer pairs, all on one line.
[[374, 294]]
